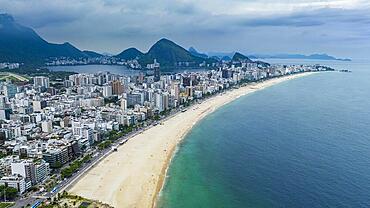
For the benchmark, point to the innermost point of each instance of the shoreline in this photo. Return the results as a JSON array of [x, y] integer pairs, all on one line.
[[166, 166], [135, 175]]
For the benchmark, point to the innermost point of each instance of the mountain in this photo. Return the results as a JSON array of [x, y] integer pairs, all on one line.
[[22, 44], [194, 52], [261, 63], [252, 57], [221, 55], [238, 57], [169, 54], [226, 58], [129, 54], [299, 56], [107, 54], [216, 58], [326, 57], [92, 54]]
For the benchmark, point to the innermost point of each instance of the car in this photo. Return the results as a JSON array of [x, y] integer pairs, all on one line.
[[54, 190], [38, 203]]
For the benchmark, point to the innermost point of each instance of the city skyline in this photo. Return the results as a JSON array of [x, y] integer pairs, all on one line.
[[339, 28]]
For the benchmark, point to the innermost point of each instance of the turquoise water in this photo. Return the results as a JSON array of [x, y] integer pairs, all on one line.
[[302, 143]]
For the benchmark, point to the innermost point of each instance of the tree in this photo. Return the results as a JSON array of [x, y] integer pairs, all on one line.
[[33, 188], [57, 165], [10, 192], [2, 155]]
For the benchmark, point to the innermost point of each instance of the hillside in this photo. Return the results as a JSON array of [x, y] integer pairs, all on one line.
[[22, 44], [238, 57], [169, 54], [92, 54], [194, 52], [129, 54]]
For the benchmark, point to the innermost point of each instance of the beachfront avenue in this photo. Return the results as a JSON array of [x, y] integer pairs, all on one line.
[[52, 132]]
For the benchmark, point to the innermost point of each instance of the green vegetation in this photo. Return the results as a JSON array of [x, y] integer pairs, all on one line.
[[31, 71], [240, 57], [130, 54], [23, 45], [68, 171], [156, 117], [2, 155], [10, 193], [74, 166], [4, 77], [165, 112], [33, 189], [168, 54], [128, 129], [56, 165], [104, 145], [113, 135], [72, 201], [6, 204], [50, 183]]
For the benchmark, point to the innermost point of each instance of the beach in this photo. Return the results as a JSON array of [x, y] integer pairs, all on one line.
[[134, 175]]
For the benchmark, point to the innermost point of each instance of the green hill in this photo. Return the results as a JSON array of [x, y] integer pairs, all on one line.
[[169, 54], [238, 57], [129, 54]]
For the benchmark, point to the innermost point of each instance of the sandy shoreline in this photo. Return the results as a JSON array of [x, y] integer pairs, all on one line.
[[134, 175]]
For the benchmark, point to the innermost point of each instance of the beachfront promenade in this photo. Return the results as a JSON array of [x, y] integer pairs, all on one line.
[[134, 175]]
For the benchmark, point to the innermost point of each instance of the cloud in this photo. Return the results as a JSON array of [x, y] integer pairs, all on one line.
[[112, 25], [37, 14], [313, 18], [282, 21]]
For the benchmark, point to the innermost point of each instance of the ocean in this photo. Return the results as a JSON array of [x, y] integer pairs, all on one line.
[[301, 143]]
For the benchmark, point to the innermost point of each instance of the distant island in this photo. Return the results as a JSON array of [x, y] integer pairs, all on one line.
[[226, 56], [229, 55], [299, 56]]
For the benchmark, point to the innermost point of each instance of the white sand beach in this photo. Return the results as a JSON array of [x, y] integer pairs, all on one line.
[[134, 175]]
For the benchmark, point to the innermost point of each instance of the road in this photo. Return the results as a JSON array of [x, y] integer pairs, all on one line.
[[36, 197]]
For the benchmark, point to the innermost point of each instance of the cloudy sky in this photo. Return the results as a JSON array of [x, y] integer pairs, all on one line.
[[337, 27]]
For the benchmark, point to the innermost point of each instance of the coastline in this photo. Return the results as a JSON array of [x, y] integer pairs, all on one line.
[[135, 175]]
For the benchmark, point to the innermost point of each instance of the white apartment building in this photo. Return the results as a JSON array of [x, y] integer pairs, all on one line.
[[47, 126], [107, 91], [123, 104], [14, 181], [41, 81]]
